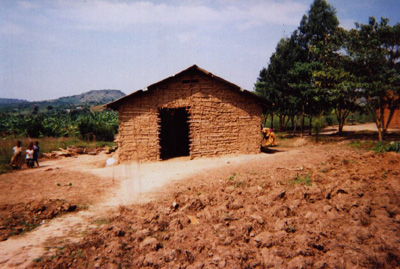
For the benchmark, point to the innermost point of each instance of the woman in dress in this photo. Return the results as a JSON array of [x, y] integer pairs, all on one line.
[[16, 160]]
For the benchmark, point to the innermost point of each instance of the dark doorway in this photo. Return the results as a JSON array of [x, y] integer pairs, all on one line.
[[174, 133]]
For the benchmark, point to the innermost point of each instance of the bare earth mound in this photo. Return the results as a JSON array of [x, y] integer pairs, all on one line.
[[328, 206], [19, 218]]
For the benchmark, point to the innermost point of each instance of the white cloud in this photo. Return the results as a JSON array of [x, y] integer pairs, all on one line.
[[116, 16]]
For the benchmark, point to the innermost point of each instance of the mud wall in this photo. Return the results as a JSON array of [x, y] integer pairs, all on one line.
[[221, 120], [395, 122]]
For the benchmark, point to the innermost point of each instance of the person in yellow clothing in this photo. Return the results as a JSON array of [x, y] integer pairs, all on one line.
[[269, 137], [16, 160]]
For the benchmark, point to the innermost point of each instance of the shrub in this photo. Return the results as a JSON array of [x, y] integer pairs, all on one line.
[[104, 132], [329, 121], [383, 146]]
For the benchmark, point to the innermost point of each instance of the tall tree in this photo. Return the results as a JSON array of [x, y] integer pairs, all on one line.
[[320, 22], [273, 82], [375, 50], [315, 27], [334, 77]]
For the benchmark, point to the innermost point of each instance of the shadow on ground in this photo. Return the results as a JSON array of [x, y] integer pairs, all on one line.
[[270, 150]]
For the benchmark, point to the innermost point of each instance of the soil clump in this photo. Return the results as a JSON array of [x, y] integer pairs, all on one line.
[[19, 218]]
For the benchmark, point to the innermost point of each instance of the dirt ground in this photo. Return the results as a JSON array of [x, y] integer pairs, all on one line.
[[303, 204]]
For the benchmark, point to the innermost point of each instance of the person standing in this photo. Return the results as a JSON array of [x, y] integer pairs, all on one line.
[[36, 153], [16, 159], [29, 156]]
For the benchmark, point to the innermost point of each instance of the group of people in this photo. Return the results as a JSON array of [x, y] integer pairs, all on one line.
[[31, 156]]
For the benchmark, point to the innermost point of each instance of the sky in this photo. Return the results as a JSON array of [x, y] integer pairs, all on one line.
[[55, 48]]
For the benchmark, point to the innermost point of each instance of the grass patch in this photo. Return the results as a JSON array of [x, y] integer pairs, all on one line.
[[377, 147], [384, 146], [302, 180], [83, 207], [232, 177], [238, 184], [100, 222]]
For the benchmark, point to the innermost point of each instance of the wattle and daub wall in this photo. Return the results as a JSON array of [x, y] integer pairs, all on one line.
[[221, 120]]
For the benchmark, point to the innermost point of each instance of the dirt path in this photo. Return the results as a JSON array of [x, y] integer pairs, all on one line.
[[136, 183], [355, 128]]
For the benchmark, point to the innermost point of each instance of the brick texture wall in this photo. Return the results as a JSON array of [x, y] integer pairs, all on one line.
[[221, 120], [395, 122]]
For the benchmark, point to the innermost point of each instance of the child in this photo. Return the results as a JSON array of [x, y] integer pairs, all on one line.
[[29, 156], [36, 153]]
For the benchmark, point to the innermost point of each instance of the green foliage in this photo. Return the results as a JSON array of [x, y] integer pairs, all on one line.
[[302, 180], [103, 124], [317, 125], [384, 146], [329, 121], [90, 126], [377, 147], [375, 52], [320, 22], [232, 177], [288, 82], [323, 68]]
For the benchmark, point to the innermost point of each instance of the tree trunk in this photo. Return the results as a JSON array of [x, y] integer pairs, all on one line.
[[292, 120], [391, 112], [310, 126], [338, 113], [340, 128], [295, 125], [377, 117], [272, 120], [379, 122], [286, 122], [318, 128], [341, 116], [281, 118], [262, 120], [302, 121]]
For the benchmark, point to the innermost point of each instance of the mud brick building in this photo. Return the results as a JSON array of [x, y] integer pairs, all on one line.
[[193, 113], [395, 122]]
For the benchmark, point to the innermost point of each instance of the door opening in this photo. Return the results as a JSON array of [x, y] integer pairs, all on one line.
[[174, 133]]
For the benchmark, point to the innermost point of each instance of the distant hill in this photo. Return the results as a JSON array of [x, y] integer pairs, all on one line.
[[85, 100], [90, 97], [7, 101]]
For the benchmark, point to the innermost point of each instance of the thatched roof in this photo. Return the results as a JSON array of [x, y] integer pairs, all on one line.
[[194, 68]]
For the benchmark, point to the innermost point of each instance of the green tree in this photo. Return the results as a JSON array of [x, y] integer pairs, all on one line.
[[273, 82], [320, 22], [334, 78], [374, 48], [314, 30]]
